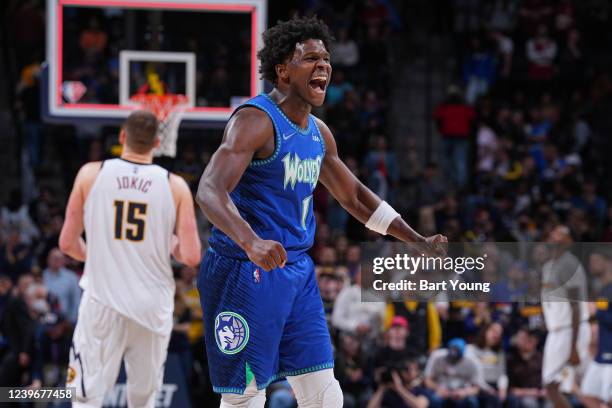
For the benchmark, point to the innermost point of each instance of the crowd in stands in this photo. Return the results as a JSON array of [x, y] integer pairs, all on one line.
[[524, 142]]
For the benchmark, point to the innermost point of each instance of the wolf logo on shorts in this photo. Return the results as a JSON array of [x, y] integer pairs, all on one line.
[[231, 332]]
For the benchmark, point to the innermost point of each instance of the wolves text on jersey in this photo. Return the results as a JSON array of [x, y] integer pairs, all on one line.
[[301, 171], [133, 183]]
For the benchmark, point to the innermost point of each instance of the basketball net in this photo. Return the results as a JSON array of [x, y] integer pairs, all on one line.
[[169, 110]]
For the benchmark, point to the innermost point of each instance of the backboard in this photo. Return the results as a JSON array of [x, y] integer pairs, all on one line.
[[100, 53]]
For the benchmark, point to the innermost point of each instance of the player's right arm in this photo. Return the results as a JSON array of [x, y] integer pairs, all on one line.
[[186, 247], [71, 240], [248, 132]]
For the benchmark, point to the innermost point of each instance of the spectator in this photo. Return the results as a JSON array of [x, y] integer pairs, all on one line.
[[590, 202], [487, 149], [179, 339], [564, 16], [372, 113], [541, 53], [488, 350], [431, 188], [525, 371], [344, 117], [353, 371], [513, 287], [572, 63], [329, 286], [341, 244], [28, 93], [501, 14], [187, 284], [63, 284], [281, 396], [327, 257], [338, 88], [505, 51], [53, 334], [50, 237], [18, 327], [581, 133], [538, 134], [354, 316], [344, 50], [596, 386], [395, 346], [6, 285], [467, 16], [478, 71], [453, 376], [400, 385], [28, 28], [424, 323], [534, 13], [15, 215], [479, 315], [455, 119], [353, 259], [374, 14], [219, 91], [93, 40], [382, 170], [189, 167], [15, 256]]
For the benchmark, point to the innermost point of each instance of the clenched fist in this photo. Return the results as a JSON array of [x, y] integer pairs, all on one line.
[[267, 254], [438, 244]]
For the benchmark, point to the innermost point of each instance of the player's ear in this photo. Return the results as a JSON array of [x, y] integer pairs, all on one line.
[[157, 142], [281, 72], [122, 137]]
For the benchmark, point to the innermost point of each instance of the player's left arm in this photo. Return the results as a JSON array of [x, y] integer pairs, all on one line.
[[355, 197], [71, 240]]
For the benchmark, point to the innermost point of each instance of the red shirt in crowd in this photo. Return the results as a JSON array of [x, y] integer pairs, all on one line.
[[455, 120]]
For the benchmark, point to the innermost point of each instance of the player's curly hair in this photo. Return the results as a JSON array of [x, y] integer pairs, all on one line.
[[280, 40]]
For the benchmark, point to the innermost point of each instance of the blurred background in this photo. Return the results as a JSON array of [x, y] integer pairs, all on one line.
[[482, 120]]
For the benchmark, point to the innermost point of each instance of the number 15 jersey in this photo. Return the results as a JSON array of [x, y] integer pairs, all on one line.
[[129, 218]]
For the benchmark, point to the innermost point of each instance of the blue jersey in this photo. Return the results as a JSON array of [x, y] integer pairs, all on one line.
[[274, 195], [604, 318]]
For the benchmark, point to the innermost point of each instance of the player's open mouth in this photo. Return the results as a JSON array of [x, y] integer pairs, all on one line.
[[318, 84]]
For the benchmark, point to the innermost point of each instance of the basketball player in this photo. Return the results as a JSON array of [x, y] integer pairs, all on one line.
[[135, 214], [263, 314], [597, 381], [564, 294]]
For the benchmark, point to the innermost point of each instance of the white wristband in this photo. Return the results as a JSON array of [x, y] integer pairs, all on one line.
[[381, 218]]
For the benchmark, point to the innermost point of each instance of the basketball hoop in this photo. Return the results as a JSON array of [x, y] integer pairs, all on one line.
[[168, 109]]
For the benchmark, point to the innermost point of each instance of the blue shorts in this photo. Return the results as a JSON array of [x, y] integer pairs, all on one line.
[[269, 325]]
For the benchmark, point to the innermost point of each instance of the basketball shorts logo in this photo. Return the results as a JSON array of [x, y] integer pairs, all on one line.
[[231, 332]]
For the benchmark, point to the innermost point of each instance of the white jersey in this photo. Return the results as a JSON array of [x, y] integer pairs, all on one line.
[[558, 277], [129, 219]]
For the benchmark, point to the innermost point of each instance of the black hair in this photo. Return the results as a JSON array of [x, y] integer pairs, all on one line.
[[280, 41], [530, 331]]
